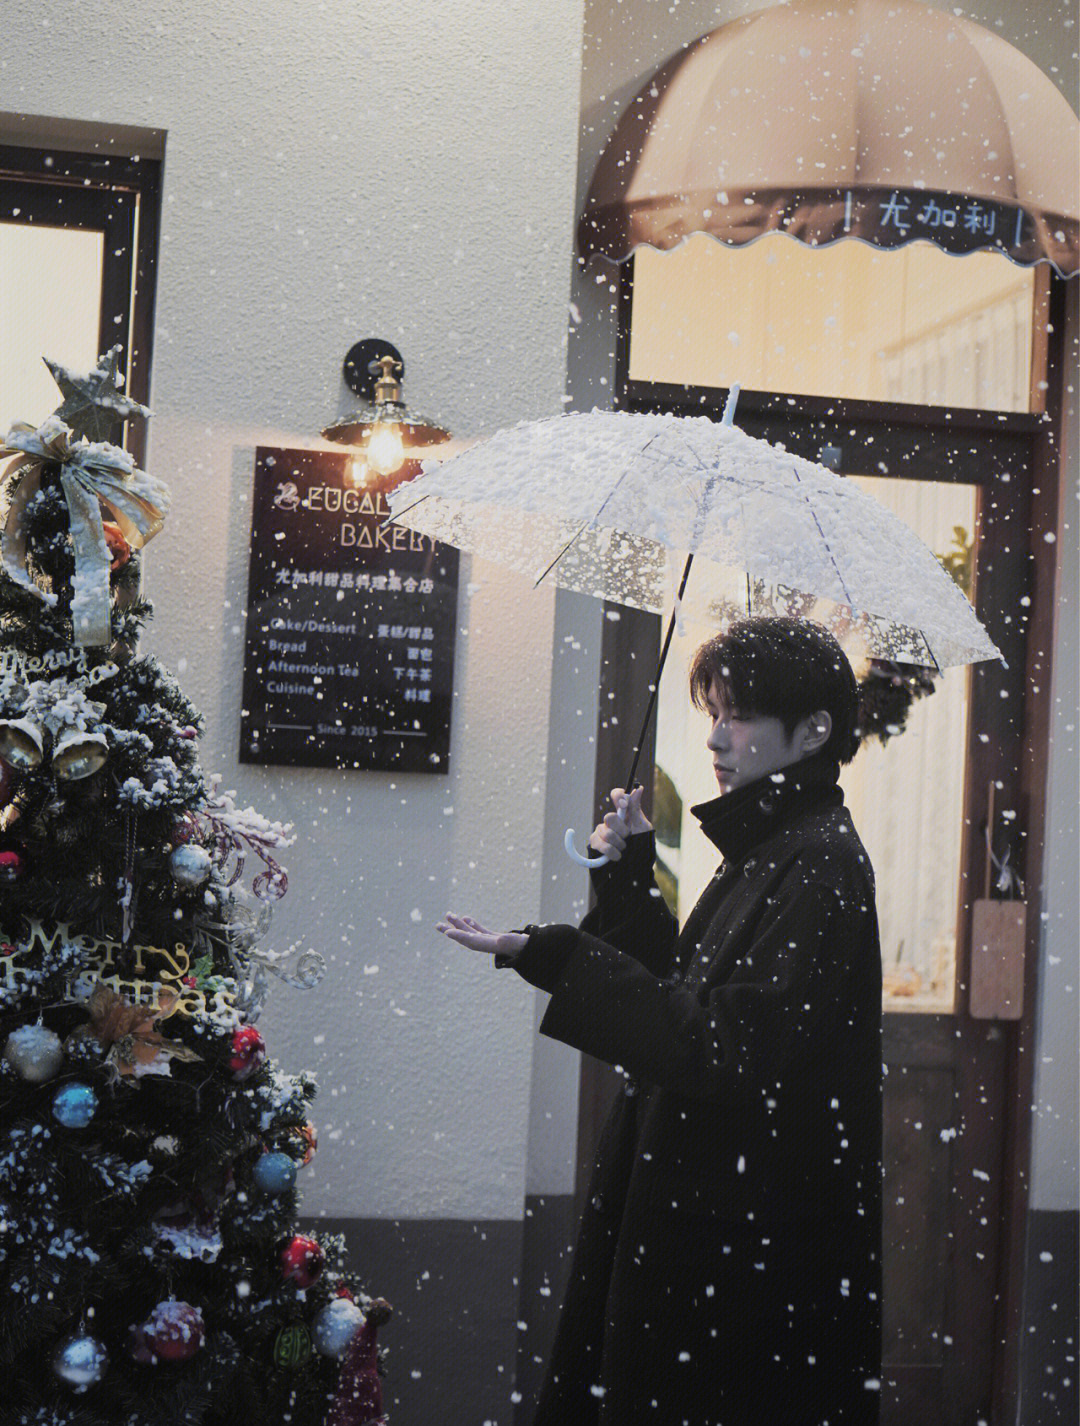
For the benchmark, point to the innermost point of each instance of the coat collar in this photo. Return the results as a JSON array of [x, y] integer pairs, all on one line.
[[735, 822]]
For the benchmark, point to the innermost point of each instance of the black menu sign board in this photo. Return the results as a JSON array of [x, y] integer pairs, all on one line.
[[349, 655]]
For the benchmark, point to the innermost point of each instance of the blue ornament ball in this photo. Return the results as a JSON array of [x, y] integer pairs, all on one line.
[[335, 1326], [274, 1173], [74, 1105]]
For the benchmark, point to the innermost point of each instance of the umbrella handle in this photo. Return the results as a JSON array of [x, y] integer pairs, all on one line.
[[575, 856]]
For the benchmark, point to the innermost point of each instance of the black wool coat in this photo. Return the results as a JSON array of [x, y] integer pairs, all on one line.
[[728, 1266]]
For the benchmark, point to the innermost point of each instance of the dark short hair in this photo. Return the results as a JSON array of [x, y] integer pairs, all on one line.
[[781, 668]]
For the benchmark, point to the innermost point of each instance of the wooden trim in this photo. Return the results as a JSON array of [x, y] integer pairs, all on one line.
[[1040, 327], [629, 649], [80, 136], [622, 334], [1048, 492], [121, 198], [144, 301], [703, 399]]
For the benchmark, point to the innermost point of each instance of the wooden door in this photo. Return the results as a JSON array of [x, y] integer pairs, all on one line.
[[947, 1103]]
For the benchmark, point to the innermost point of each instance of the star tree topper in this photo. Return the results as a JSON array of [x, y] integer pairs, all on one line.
[[92, 473], [94, 403]]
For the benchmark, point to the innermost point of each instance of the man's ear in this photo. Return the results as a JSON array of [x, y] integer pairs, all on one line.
[[813, 732]]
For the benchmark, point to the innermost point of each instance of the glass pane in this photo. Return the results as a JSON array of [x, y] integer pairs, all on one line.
[[905, 795], [50, 294], [913, 325]]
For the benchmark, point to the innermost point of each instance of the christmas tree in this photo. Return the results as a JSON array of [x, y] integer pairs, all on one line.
[[151, 1269]]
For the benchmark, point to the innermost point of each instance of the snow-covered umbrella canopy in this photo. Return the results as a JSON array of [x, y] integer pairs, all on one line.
[[878, 119], [611, 503]]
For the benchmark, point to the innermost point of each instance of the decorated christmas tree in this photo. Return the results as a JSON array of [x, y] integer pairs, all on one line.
[[151, 1267]]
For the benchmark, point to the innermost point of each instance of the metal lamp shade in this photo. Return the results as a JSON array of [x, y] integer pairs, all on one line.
[[354, 429]]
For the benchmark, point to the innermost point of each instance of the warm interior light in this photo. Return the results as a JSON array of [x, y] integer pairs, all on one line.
[[356, 471], [385, 451]]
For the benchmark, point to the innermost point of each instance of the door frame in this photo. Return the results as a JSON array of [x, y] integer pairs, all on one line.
[[936, 441]]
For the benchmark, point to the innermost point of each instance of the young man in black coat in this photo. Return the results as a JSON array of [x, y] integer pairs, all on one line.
[[728, 1267]]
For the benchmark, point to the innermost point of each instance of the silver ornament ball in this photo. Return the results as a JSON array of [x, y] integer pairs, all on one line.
[[34, 1053], [189, 866], [335, 1326], [80, 1361]]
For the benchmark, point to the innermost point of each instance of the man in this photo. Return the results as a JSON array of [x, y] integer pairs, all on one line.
[[727, 1270]]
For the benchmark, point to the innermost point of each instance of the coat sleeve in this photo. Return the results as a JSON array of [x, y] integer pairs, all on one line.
[[630, 915], [711, 1041]]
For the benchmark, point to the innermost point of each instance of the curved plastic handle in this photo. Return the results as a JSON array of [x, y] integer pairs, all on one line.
[[575, 856]]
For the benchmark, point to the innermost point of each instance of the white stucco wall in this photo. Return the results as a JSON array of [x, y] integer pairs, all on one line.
[[334, 172]]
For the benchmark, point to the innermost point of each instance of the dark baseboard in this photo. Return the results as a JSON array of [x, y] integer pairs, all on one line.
[[1048, 1346], [454, 1287], [549, 1231], [476, 1305]]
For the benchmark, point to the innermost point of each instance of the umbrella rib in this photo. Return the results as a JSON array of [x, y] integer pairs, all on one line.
[[824, 541], [397, 516], [563, 551], [596, 514]]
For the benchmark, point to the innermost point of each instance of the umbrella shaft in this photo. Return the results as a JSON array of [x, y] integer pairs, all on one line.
[[639, 745]]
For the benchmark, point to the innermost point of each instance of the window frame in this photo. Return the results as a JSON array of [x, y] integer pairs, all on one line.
[[120, 197]]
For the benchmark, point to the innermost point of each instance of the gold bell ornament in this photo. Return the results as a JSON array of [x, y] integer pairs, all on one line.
[[78, 754], [21, 743]]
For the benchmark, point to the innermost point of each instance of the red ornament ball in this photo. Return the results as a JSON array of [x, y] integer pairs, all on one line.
[[173, 1332], [11, 866], [302, 1261], [248, 1052]]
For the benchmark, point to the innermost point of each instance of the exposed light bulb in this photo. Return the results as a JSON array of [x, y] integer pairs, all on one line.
[[356, 472], [385, 451]]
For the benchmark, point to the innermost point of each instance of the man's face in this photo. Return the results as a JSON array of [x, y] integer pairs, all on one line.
[[744, 748]]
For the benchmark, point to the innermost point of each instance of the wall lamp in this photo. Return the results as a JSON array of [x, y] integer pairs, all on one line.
[[382, 425]]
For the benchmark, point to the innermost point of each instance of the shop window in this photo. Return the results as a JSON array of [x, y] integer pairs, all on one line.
[[78, 248], [906, 794], [849, 321], [50, 288]]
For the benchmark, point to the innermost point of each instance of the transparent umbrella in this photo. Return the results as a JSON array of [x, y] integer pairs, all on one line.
[[614, 505]]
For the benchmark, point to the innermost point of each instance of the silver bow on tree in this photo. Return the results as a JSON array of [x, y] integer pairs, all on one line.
[[92, 474], [238, 936]]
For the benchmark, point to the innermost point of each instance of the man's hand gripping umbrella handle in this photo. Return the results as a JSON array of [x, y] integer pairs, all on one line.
[[575, 856]]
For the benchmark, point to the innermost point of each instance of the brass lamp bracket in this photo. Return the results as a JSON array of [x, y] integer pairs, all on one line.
[[374, 370]]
